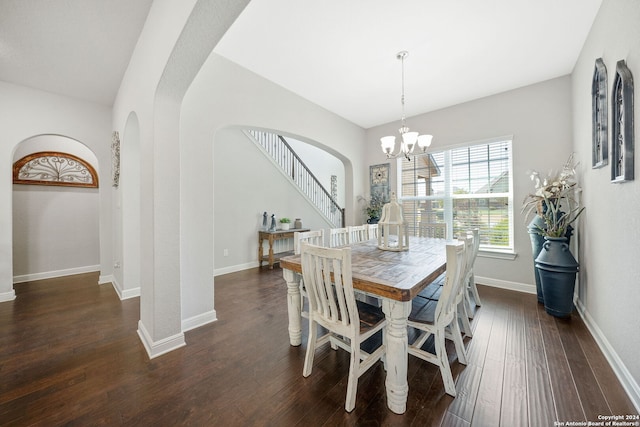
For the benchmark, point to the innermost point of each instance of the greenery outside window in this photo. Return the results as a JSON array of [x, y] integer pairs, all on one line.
[[464, 187]]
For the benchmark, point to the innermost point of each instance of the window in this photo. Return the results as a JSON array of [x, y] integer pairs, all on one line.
[[465, 187]]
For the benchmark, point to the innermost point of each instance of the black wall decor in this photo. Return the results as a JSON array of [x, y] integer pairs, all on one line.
[[622, 125]]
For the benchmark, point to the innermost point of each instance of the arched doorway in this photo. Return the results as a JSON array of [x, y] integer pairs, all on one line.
[[55, 228]]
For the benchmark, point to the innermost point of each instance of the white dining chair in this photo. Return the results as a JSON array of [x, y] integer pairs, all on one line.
[[357, 233], [372, 231], [434, 289], [462, 295], [432, 229], [338, 237], [332, 305], [439, 319], [314, 237], [470, 281]]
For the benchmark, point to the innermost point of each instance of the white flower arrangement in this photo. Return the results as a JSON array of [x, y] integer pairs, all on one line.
[[554, 193]]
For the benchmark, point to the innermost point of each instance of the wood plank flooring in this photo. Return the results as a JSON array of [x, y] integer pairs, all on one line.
[[70, 355]]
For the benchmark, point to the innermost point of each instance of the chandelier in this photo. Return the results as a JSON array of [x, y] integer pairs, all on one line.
[[409, 139]]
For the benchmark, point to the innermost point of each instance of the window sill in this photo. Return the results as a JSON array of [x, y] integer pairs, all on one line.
[[506, 255]]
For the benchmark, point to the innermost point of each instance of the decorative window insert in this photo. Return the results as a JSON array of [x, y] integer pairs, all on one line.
[[600, 142], [622, 126], [54, 168]]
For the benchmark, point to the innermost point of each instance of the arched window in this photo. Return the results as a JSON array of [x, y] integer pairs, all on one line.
[[54, 168]]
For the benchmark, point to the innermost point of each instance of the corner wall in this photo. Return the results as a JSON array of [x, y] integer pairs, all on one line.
[[609, 292]]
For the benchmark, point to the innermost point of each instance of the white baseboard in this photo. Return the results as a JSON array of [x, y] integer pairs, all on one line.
[[8, 296], [629, 384], [55, 273], [235, 268], [104, 279], [503, 284], [158, 348], [124, 294], [199, 320]]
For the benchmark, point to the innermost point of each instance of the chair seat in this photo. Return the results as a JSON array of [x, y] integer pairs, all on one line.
[[423, 311], [370, 316], [432, 291]]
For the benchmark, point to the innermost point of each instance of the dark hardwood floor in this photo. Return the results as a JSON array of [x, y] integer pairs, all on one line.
[[70, 355]]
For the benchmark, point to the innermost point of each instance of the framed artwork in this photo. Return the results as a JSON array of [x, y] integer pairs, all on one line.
[[379, 180], [600, 142], [622, 125]]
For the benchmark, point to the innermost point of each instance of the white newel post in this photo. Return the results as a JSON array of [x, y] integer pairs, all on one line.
[[396, 341], [294, 306]]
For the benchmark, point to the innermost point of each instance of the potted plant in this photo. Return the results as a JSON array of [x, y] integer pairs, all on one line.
[[373, 207], [555, 209], [285, 223]]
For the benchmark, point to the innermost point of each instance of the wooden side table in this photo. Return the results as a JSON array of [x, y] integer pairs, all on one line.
[[272, 236]]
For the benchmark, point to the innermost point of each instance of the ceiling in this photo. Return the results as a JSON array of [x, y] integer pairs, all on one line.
[[78, 48], [338, 54]]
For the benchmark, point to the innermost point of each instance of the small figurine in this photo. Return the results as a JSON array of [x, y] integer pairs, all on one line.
[[273, 223], [264, 221]]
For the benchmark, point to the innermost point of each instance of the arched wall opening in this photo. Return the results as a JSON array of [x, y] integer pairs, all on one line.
[[243, 190], [55, 228], [127, 219]]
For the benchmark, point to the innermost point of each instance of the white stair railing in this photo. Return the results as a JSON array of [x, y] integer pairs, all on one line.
[[277, 148]]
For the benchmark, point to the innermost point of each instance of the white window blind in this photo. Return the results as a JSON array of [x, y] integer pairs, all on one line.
[[465, 187]]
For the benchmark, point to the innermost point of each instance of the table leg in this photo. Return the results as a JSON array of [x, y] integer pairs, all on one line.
[[271, 251], [396, 342], [294, 306]]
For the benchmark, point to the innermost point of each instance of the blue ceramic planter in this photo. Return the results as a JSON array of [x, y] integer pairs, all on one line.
[[557, 269]]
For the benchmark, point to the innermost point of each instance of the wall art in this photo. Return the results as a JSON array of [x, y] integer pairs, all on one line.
[[600, 141], [622, 125], [115, 158], [379, 181], [54, 168]]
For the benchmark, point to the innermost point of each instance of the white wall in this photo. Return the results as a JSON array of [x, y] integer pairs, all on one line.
[[610, 274], [538, 117], [25, 113], [55, 229]]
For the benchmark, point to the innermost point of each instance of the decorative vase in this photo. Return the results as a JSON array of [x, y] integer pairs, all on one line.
[[536, 246], [557, 269], [537, 240], [297, 223]]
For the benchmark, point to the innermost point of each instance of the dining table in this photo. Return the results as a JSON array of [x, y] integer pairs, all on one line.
[[395, 277]]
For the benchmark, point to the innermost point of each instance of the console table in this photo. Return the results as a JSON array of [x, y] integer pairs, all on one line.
[[272, 236]]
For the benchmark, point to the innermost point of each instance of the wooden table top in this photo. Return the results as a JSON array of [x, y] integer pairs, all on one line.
[[395, 275]]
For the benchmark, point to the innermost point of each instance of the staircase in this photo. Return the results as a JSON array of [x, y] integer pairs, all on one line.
[[276, 148]]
